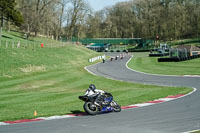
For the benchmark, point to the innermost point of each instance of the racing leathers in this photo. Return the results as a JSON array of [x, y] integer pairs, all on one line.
[[95, 93]]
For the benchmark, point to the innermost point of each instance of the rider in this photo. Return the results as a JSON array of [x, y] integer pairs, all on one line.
[[92, 91]]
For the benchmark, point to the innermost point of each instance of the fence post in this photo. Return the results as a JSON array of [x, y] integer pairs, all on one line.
[[18, 45], [185, 52]]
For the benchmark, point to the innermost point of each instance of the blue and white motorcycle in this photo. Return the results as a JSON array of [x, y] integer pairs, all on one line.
[[106, 104]]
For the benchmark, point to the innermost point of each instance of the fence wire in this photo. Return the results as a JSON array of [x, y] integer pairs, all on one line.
[[6, 44]]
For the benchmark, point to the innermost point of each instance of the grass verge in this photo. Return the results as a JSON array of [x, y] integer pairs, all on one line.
[[195, 132], [142, 62]]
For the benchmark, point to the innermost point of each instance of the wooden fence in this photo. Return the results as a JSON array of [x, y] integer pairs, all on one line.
[[31, 45]]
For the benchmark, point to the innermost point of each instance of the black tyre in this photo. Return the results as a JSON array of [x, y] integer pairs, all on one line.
[[116, 106], [90, 108]]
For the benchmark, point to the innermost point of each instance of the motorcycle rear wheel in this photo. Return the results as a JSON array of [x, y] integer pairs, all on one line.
[[90, 108]]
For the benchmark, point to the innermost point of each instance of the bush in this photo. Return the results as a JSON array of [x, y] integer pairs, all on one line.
[[118, 51], [138, 50]]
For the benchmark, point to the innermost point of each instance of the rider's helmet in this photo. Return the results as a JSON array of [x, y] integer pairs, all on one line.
[[92, 87]]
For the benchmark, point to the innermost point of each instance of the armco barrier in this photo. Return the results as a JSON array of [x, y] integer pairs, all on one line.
[[97, 58]]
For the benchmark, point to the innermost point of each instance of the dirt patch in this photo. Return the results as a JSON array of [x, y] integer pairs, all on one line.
[[32, 68]]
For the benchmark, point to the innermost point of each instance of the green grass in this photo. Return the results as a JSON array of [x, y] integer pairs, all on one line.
[[49, 80], [192, 41], [195, 132], [54, 89], [30, 43], [141, 62]]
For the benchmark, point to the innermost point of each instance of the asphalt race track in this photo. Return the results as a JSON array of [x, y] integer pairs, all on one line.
[[175, 116]]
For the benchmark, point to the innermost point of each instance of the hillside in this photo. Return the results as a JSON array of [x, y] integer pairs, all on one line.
[[31, 42], [18, 62], [30, 57]]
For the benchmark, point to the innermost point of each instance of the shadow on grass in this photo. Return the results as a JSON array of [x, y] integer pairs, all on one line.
[[7, 37], [18, 36], [78, 113]]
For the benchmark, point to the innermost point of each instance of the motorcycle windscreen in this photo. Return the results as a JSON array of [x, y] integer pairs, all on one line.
[[108, 99]]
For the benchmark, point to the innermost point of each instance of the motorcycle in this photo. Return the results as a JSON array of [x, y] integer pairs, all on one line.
[[106, 102]]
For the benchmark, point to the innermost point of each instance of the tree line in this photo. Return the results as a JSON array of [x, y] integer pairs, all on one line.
[[164, 19], [161, 19]]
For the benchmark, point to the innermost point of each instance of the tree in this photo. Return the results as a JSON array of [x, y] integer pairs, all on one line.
[[61, 8], [9, 13], [38, 15], [78, 11]]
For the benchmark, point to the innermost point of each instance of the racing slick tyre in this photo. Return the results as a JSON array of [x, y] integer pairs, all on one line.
[[90, 108]]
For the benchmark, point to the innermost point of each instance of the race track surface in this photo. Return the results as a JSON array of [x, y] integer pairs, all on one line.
[[175, 116]]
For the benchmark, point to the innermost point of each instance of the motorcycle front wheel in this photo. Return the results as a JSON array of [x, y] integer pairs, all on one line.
[[90, 108], [116, 106]]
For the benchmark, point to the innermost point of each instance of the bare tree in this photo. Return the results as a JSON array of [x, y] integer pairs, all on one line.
[[78, 11], [168, 19]]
